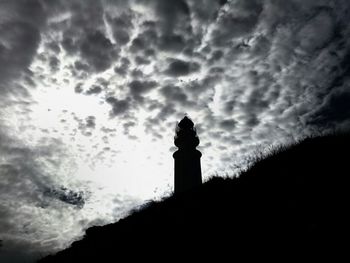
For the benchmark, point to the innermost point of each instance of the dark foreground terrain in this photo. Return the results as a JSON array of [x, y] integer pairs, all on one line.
[[287, 205]]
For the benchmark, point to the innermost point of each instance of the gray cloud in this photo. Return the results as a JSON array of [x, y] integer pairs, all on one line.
[[174, 94], [65, 195], [93, 90], [19, 166], [85, 126], [227, 125], [239, 21], [26, 170], [108, 130], [90, 122], [119, 107], [80, 66], [138, 88], [128, 126], [169, 14], [179, 67], [78, 88], [136, 73]]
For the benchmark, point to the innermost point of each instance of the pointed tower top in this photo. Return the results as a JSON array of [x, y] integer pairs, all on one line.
[[186, 135], [186, 123]]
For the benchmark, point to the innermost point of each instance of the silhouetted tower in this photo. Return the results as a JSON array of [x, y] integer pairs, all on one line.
[[188, 172]]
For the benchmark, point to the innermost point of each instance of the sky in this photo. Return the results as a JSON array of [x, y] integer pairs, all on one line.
[[91, 91]]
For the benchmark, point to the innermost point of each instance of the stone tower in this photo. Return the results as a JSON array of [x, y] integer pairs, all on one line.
[[188, 172]]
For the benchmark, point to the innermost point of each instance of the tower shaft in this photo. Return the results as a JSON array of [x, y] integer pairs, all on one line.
[[188, 174]]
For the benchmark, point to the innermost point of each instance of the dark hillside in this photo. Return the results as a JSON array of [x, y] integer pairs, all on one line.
[[291, 202]]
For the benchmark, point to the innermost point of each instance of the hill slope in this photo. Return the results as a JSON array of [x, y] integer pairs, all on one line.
[[290, 202]]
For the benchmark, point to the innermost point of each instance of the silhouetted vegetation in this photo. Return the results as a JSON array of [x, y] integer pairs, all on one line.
[[290, 202]]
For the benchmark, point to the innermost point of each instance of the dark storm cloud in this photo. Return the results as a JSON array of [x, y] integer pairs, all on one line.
[[174, 43], [216, 55], [179, 67], [334, 110], [138, 88], [206, 10], [141, 60], [121, 27], [98, 51], [171, 12], [120, 70], [69, 45], [148, 37], [54, 63], [227, 125], [123, 67], [54, 47], [80, 20], [84, 34], [121, 36], [19, 37], [216, 70], [171, 29]]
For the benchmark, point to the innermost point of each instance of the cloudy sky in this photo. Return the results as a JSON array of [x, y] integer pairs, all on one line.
[[91, 90]]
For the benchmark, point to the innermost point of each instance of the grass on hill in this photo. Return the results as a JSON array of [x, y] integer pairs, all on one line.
[[292, 201]]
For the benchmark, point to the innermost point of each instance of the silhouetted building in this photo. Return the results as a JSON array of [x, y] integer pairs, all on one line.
[[187, 158]]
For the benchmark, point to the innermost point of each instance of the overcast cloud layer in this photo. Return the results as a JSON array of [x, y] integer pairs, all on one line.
[[90, 92]]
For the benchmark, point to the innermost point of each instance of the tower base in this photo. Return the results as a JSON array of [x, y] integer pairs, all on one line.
[[188, 174]]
